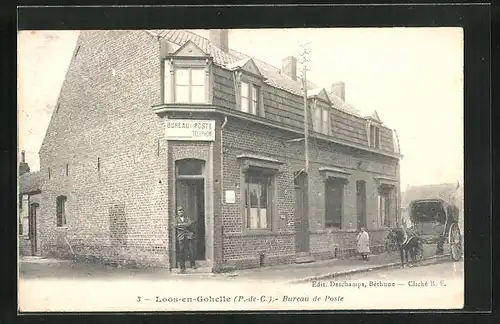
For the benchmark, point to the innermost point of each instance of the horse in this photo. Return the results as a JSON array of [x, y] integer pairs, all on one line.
[[410, 247]]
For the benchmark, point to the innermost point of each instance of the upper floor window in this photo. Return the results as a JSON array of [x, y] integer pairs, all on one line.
[[249, 98], [374, 136], [189, 85], [321, 120], [61, 211]]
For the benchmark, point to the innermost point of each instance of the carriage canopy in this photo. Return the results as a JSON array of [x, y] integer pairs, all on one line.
[[432, 210]]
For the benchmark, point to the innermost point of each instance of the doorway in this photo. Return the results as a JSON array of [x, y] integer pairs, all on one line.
[[361, 203], [301, 217], [191, 196], [33, 211]]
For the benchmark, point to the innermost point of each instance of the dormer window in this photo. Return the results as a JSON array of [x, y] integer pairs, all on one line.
[[187, 75], [249, 98], [373, 124], [374, 136], [248, 83], [320, 110], [189, 85], [321, 120]]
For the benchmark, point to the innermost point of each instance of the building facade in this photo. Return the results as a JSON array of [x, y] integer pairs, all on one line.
[[29, 213], [150, 120]]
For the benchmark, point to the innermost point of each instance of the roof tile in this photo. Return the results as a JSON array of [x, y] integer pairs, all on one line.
[[273, 75], [30, 182]]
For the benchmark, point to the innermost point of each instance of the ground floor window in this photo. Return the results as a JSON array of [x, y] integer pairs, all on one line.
[[334, 195], [61, 211], [384, 206], [258, 199]]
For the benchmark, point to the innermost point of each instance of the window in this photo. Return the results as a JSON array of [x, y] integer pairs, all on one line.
[[258, 200], [334, 194], [324, 130], [361, 203], [374, 136], [321, 120], [61, 211], [189, 85], [384, 207], [190, 167], [249, 98]]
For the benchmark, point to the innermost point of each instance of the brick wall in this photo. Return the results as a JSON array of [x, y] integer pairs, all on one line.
[[242, 250], [104, 130], [120, 167], [25, 239]]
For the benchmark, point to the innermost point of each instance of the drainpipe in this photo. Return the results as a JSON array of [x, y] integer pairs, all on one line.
[[222, 185]]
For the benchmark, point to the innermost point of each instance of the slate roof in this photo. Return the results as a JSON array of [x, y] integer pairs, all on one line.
[[30, 182], [228, 59]]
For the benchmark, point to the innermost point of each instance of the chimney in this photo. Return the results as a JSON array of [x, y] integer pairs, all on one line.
[[338, 89], [220, 39], [23, 156], [289, 67]]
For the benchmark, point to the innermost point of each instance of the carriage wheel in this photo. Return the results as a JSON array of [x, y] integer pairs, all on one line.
[[455, 241]]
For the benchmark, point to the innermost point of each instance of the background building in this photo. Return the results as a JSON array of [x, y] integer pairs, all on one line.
[[149, 120], [30, 186]]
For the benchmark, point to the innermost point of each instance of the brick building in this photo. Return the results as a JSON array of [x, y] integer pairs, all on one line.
[[148, 120], [30, 186]]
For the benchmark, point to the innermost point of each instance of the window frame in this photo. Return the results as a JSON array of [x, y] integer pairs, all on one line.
[[190, 85], [169, 85], [374, 138], [384, 206], [61, 212], [321, 125], [341, 183], [263, 180], [250, 97], [264, 166]]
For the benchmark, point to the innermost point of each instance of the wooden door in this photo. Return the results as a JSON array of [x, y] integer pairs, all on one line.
[[191, 196], [301, 217]]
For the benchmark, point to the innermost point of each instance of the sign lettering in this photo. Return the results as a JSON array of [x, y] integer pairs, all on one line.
[[190, 130]]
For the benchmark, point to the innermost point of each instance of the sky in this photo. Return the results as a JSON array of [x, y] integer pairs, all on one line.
[[412, 77]]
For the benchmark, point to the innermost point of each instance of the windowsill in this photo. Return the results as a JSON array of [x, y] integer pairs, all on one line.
[[62, 227], [258, 232]]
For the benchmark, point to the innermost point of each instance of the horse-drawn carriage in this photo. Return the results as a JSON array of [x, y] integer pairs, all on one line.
[[429, 221]]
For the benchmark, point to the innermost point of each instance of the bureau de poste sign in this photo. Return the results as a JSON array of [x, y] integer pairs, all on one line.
[[190, 130]]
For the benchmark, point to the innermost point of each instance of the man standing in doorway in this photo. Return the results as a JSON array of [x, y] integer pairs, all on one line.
[[185, 237]]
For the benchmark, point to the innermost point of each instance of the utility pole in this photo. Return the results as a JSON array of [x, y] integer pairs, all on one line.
[[304, 59]]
